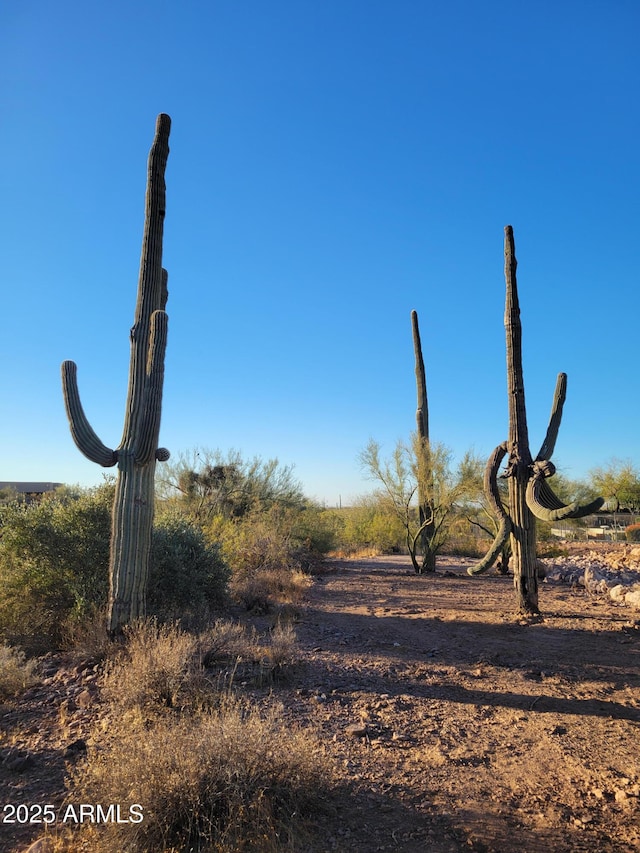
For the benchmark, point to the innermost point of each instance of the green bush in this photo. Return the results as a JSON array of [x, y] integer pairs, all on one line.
[[633, 533], [54, 559], [187, 574], [369, 525]]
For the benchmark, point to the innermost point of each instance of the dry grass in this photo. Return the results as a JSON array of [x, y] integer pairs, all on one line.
[[88, 637], [260, 590], [16, 672], [218, 776], [162, 666], [228, 780], [157, 667]]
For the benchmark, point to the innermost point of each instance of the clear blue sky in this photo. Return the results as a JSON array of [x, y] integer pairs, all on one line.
[[334, 164]]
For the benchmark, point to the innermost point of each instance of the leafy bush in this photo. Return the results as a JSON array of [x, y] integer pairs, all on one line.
[[632, 533], [266, 566], [187, 573], [54, 558], [369, 525]]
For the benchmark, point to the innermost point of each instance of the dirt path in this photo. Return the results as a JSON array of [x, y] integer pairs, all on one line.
[[463, 727], [454, 724]]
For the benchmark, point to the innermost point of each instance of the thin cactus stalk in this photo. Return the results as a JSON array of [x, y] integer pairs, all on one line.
[[425, 476], [136, 455], [530, 495]]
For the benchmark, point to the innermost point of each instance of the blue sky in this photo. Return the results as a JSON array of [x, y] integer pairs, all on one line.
[[334, 164]]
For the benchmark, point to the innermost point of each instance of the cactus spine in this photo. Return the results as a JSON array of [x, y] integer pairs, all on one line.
[[136, 455], [530, 496], [425, 475]]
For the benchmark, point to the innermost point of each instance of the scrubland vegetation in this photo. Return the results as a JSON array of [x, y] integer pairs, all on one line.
[[214, 770]]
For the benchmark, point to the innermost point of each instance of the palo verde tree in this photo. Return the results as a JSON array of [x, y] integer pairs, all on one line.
[[399, 476], [426, 506], [619, 483], [136, 455], [530, 495], [207, 483]]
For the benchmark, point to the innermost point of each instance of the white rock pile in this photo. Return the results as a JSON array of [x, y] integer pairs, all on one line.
[[616, 574]]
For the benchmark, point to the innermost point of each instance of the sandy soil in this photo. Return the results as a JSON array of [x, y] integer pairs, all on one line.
[[465, 727], [455, 724]]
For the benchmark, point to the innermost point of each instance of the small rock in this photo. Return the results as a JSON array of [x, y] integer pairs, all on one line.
[[19, 763], [68, 706], [356, 730], [76, 747], [633, 599], [84, 699], [617, 593]]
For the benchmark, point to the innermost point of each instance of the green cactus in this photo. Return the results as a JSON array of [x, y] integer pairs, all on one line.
[[136, 455], [425, 476], [530, 495]]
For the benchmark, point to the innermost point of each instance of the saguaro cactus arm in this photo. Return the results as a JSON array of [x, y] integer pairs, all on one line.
[[546, 505], [560, 395], [146, 446], [495, 501], [540, 497], [82, 433]]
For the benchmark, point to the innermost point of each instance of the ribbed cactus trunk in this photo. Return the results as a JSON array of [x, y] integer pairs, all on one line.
[[136, 455], [530, 495], [425, 474], [523, 522]]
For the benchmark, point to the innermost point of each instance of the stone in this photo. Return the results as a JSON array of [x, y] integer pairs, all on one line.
[[84, 699], [76, 748], [18, 763], [617, 593]]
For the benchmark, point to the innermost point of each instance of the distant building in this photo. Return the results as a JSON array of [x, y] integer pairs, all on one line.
[[29, 491], [604, 525]]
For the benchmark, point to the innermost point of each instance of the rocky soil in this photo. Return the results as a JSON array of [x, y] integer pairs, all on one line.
[[455, 724]]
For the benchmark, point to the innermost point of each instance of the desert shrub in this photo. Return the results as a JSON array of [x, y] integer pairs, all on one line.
[[16, 672], [266, 566], [53, 559], [160, 667], [229, 780], [261, 590], [632, 533], [156, 667], [314, 530], [232, 654], [369, 525], [186, 573]]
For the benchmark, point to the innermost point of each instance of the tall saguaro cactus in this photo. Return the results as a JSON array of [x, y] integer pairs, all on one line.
[[136, 455], [425, 475], [530, 496]]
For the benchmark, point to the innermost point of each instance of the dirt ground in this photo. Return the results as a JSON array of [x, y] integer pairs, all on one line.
[[455, 724], [464, 726]]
